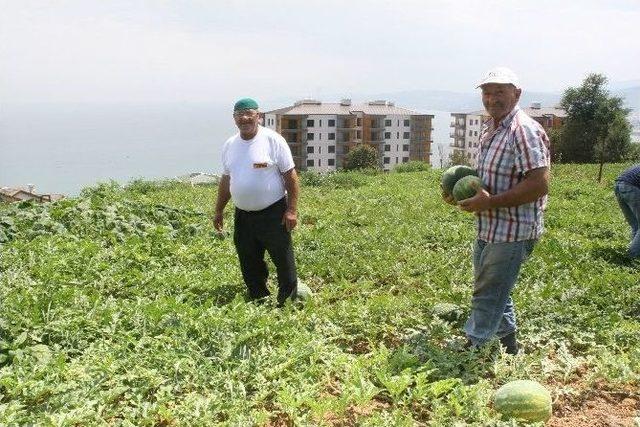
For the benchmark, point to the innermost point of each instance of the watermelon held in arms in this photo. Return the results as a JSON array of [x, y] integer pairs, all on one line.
[[466, 187], [523, 400], [453, 174]]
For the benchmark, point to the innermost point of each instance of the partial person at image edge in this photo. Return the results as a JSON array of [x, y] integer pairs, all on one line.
[[627, 190]]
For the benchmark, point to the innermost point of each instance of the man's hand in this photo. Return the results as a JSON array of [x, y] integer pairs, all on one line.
[[448, 198], [218, 222], [290, 219], [478, 203]]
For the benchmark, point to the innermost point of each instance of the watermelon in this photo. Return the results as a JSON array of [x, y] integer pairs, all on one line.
[[466, 187], [453, 174], [523, 400], [302, 291]]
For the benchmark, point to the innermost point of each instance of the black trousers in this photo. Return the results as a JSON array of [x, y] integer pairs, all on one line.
[[256, 232]]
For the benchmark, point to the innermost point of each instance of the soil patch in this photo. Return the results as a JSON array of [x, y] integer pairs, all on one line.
[[599, 408]]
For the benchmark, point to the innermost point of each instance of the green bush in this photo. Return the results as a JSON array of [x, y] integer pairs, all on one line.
[[362, 157], [412, 166]]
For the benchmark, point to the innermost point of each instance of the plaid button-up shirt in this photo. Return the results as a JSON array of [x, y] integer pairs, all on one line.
[[507, 151]]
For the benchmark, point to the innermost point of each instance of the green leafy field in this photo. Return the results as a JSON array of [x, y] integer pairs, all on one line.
[[122, 307]]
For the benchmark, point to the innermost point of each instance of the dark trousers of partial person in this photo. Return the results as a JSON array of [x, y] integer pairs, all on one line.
[[256, 232]]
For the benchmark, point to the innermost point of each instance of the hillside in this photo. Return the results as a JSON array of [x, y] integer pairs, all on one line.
[[122, 307]]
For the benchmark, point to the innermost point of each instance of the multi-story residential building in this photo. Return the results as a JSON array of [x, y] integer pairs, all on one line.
[[467, 127], [466, 133], [321, 134]]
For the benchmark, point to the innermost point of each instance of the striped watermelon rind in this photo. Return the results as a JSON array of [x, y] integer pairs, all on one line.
[[453, 174], [523, 400], [465, 187]]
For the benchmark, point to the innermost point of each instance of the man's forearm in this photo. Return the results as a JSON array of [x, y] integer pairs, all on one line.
[[293, 189], [534, 186], [224, 194]]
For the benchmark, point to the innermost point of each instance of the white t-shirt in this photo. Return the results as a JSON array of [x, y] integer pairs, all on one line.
[[255, 167]]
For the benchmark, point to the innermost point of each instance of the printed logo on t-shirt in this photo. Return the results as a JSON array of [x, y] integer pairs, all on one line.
[[260, 165]]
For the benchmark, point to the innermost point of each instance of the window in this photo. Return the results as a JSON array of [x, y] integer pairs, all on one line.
[[476, 121], [310, 123], [397, 159], [387, 135], [332, 123], [405, 160], [405, 147], [320, 136], [332, 136], [469, 144], [475, 133], [320, 124], [319, 162], [309, 137], [386, 160], [358, 134], [358, 121], [332, 162], [310, 149], [310, 163], [320, 151], [407, 122], [387, 147], [397, 135], [331, 148], [387, 122], [406, 135], [470, 133]]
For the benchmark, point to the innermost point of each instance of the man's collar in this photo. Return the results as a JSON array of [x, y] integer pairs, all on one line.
[[509, 117]]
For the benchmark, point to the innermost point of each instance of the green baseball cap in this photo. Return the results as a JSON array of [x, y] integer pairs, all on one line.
[[245, 104]]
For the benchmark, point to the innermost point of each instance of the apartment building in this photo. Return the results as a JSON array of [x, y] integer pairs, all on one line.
[[467, 127], [321, 134], [466, 133]]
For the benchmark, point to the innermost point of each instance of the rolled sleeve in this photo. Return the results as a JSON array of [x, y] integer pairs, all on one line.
[[531, 146]]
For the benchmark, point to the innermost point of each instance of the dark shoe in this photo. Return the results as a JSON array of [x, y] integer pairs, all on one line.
[[510, 343]]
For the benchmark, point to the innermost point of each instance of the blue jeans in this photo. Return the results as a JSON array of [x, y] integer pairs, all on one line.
[[496, 267], [629, 200]]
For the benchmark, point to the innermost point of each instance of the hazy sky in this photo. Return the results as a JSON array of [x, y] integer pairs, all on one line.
[[208, 50]]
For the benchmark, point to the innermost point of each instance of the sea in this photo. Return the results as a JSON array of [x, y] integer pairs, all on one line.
[[63, 148]]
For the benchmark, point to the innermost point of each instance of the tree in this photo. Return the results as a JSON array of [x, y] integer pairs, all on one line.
[[596, 128], [362, 157], [441, 151], [458, 157]]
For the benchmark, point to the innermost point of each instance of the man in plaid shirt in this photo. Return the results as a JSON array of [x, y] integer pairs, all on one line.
[[513, 164]]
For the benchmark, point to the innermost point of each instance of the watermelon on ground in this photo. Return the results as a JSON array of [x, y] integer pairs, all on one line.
[[453, 174], [466, 187], [302, 291], [523, 400]]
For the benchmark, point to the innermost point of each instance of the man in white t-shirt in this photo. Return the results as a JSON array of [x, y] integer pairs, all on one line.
[[259, 175]]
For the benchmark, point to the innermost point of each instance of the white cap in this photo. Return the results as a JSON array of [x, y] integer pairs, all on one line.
[[500, 75]]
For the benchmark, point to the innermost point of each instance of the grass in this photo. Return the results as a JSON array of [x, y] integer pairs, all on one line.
[[121, 307]]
